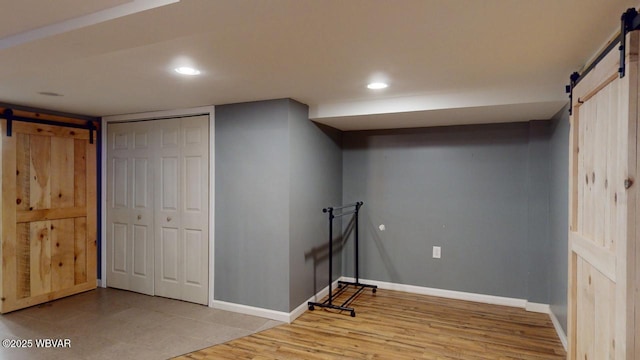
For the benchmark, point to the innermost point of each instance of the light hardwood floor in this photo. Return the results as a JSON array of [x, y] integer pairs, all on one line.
[[397, 325]]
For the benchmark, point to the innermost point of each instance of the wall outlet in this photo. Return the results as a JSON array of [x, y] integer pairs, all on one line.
[[436, 252]]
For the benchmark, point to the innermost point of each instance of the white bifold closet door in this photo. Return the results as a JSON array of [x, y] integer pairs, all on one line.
[[158, 208]]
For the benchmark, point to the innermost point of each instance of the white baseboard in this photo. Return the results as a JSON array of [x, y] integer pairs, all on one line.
[[317, 297], [539, 308], [272, 314], [559, 330], [251, 310], [449, 294]]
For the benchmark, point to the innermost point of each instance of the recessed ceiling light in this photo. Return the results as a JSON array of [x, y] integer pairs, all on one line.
[[377, 86], [185, 70]]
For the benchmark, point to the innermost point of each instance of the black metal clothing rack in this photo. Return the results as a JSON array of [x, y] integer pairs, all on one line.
[[342, 285]]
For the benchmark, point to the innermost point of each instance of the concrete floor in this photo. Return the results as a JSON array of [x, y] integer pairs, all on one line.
[[116, 324]]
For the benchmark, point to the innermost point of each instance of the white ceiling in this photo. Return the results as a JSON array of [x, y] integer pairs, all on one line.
[[446, 61]]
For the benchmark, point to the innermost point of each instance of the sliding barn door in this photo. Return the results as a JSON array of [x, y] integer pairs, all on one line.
[[602, 230], [48, 214], [158, 207]]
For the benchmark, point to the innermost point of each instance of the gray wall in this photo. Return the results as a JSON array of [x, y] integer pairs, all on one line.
[[494, 197], [275, 171], [316, 182], [252, 204], [476, 191], [537, 248], [559, 214]]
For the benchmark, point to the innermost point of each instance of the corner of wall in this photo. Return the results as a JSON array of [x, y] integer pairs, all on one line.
[[559, 215], [315, 165], [559, 330]]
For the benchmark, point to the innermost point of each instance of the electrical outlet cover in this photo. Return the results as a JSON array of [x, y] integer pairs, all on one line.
[[437, 252]]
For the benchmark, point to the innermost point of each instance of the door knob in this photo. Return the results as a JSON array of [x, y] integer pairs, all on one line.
[[168, 218], [139, 217]]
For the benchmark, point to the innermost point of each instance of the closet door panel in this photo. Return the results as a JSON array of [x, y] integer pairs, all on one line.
[[142, 228], [167, 215], [168, 265], [118, 213], [130, 208], [195, 208], [193, 243], [119, 261], [182, 218], [169, 184], [140, 244], [158, 210]]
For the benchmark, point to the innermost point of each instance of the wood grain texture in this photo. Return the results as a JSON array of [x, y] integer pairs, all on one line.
[[80, 173], [92, 211], [23, 243], [62, 172], [80, 251], [62, 254], [51, 130], [23, 171], [599, 257], [50, 214], [585, 303], [40, 187], [40, 241], [397, 325], [23, 261], [9, 261], [613, 181], [47, 249], [628, 298], [603, 264]]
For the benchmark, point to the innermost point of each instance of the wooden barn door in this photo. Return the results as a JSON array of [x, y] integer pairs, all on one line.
[[48, 214], [602, 230]]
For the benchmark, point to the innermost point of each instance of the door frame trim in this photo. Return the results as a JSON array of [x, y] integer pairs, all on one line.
[[158, 115]]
